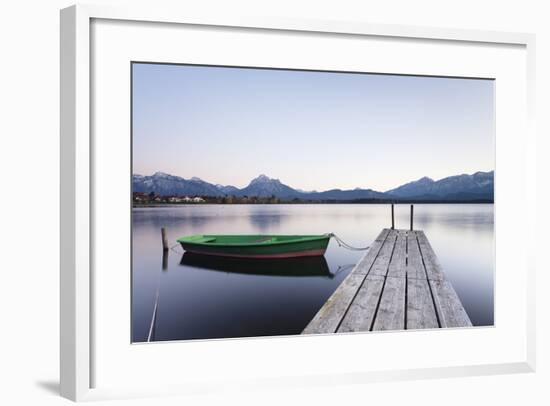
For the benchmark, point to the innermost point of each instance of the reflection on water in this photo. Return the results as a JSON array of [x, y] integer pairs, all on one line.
[[264, 223], [207, 297], [308, 266]]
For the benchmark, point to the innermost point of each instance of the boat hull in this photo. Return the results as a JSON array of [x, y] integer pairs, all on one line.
[[267, 247]]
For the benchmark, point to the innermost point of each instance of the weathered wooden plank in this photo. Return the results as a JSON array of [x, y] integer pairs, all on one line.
[[363, 308], [382, 236], [398, 284], [365, 264], [391, 312], [398, 261], [431, 263], [382, 262], [448, 306], [420, 307], [415, 267], [329, 316]]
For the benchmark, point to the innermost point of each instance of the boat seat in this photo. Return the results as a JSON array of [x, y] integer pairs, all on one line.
[[202, 239], [267, 239]]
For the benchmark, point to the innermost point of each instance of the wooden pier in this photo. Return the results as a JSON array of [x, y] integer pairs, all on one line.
[[397, 285]]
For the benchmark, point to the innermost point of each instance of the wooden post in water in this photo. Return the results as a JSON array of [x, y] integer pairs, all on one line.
[[164, 239], [164, 260], [392, 218], [412, 215]]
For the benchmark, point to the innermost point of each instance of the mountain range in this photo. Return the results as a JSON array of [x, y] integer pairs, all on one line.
[[476, 187]]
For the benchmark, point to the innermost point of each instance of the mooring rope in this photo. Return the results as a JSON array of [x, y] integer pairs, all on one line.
[[344, 244], [154, 317], [343, 268], [174, 246]]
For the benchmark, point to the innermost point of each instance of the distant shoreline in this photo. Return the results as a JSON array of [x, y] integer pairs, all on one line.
[[155, 205]]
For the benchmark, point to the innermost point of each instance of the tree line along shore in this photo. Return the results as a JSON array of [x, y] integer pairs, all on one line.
[[152, 200]]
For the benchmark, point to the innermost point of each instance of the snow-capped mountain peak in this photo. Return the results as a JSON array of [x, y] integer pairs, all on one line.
[[479, 185]]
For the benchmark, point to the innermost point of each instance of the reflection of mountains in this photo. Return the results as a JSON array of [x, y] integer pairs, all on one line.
[[178, 218], [307, 266], [264, 222], [452, 222]]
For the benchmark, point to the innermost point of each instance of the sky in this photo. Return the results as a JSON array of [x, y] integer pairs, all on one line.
[[311, 130]]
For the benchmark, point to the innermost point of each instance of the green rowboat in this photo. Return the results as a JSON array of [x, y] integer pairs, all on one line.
[[257, 246]]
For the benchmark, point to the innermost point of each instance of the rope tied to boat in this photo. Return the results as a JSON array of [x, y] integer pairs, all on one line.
[[176, 251], [343, 244]]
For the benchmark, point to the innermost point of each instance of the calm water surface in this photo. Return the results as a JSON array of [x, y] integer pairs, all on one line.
[[215, 298]]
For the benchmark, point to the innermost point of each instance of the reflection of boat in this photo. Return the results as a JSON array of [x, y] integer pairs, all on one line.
[[257, 246], [307, 266]]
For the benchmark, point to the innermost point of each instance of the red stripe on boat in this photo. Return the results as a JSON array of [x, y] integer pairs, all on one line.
[[312, 253]]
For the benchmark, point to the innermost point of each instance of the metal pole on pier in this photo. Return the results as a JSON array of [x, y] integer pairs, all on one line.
[[392, 218], [412, 215]]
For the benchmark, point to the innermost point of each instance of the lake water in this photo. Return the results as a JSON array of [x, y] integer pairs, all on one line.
[[216, 298]]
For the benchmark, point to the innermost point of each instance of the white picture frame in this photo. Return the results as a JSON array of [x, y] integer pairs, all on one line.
[[77, 189]]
